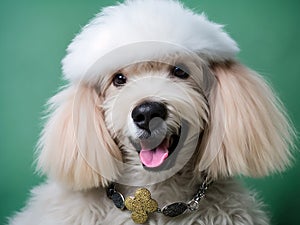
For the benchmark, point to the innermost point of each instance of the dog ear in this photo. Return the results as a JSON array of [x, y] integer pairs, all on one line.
[[75, 147], [248, 132]]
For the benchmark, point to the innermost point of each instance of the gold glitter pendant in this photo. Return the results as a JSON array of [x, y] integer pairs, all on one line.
[[140, 205]]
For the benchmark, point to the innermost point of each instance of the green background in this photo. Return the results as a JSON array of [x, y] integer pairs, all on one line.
[[33, 38]]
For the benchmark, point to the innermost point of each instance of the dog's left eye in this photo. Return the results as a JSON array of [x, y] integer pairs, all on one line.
[[180, 73], [119, 79]]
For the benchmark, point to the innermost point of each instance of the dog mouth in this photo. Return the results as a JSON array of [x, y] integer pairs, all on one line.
[[155, 157]]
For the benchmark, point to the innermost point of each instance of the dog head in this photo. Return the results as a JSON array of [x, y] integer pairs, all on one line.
[[149, 94]]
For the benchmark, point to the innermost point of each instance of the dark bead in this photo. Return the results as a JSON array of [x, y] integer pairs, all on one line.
[[118, 200], [174, 209]]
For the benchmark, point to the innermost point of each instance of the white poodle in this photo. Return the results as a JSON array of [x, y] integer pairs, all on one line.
[[157, 118]]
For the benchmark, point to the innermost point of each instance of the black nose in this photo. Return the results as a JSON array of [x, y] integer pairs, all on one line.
[[143, 113]]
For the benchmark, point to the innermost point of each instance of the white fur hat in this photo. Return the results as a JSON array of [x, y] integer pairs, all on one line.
[[142, 30]]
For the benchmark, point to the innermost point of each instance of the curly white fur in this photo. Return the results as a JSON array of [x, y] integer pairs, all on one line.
[[235, 123]]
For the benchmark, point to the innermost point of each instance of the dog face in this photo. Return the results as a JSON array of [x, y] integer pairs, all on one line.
[[155, 111], [151, 107]]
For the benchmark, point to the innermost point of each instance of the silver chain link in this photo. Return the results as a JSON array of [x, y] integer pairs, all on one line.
[[194, 203]]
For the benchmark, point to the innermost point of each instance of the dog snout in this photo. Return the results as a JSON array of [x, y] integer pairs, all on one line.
[[147, 111]]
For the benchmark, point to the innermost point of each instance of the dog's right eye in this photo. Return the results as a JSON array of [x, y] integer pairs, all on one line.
[[119, 79]]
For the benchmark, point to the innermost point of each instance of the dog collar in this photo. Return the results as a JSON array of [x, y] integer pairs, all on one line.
[[142, 204]]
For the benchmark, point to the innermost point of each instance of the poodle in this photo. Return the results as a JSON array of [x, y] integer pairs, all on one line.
[[156, 120]]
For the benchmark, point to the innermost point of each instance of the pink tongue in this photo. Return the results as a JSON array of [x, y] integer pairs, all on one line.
[[155, 157]]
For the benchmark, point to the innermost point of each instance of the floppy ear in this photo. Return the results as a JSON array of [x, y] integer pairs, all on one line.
[[75, 147], [248, 132]]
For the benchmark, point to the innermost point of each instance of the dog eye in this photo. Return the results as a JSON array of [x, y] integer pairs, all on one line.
[[178, 72], [119, 79]]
